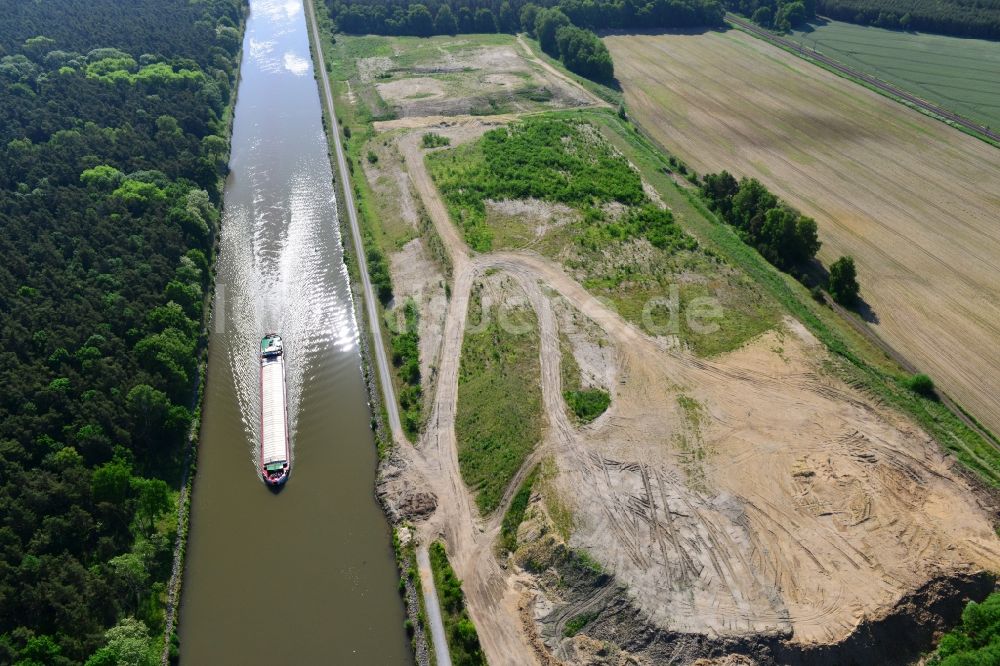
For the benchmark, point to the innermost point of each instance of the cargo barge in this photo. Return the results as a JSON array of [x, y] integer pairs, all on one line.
[[275, 453]]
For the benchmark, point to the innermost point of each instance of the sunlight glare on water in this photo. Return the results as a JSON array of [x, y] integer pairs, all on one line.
[[276, 254]]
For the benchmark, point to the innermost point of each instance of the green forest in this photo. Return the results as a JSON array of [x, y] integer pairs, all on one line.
[[780, 15], [113, 146], [431, 17], [961, 18]]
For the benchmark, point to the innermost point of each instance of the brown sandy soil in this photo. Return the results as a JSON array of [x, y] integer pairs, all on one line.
[[472, 80], [751, 493], [914, 201]]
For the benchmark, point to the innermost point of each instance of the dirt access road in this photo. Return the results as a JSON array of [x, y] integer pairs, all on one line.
[[915, 202]]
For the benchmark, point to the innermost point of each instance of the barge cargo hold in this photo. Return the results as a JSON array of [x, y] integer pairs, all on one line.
[[275, 452]]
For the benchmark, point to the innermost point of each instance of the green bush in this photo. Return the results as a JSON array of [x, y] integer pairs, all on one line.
[[432, 140], [463, 641], [379, 273], [843, 282], [578, 622], [587, 404], [923, 385], [405, 346], [976, 640]]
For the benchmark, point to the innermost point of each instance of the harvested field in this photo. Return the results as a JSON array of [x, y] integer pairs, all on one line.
[[914, 201]]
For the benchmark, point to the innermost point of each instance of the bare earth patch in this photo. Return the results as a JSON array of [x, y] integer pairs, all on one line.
[[401, 91]]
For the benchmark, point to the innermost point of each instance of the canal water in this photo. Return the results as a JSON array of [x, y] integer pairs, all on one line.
[[306, 575]]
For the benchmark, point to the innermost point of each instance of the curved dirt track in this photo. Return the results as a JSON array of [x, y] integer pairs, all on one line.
[[786, 502]]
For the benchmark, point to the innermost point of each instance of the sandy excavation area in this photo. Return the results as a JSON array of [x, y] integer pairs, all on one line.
[[915, 202], [753, 494]]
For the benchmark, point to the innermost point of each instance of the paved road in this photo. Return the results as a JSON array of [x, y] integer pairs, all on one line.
[[441, 654], [888, 88], [385, 379]]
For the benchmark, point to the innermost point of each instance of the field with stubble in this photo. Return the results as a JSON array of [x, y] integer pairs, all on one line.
[[916, 202]]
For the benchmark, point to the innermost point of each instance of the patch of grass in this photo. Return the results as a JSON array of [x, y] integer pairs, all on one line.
[[545, 158], [405, 347], [463, 640], [559, 512], [499, 413], [434, 140], [515, 513], [587, 404], [690, 443], [638, 258], [575, 624], [569, 369]]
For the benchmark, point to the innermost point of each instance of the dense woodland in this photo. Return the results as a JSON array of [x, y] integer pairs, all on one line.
[[779, 15], [113, 143], [962, 18], [403, 17]]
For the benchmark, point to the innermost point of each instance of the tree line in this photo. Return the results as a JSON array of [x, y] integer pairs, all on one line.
[[778, 15], [782, 235], [403, 17], [579, 49], [961, 18], [113, 145]]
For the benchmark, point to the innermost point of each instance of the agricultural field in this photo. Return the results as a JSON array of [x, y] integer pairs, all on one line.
[[959, 74], [913, 200]]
